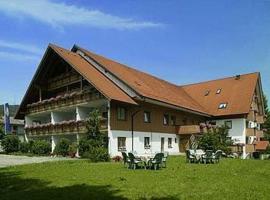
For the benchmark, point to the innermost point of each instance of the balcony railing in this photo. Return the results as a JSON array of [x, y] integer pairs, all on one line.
[[250, 148], [259, 133], [63, 101], [250, 132], [188, 129], [251, 116], [260, 119], [65, 127], [63, 80]]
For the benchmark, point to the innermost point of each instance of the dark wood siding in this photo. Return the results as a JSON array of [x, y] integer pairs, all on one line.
[[156, 124]]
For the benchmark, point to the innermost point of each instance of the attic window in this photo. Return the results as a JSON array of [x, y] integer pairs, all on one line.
[[218, 91], [206, 92], [222, 106]]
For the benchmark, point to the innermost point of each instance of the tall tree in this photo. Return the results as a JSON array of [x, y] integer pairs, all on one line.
[[266, 124]]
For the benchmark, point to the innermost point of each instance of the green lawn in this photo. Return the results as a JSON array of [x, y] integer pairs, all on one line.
[[70, 180]]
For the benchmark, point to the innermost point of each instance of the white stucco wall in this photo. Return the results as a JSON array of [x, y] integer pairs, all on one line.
[[155, 142], [238, 130]]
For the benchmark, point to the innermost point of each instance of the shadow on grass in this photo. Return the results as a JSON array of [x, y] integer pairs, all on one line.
[[13, 187]]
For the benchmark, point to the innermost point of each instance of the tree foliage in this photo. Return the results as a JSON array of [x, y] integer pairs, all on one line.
[[94, 147], [216, 139]]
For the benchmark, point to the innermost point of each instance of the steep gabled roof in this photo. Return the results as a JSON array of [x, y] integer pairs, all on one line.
[[92, 75], [236, 92], [147, 85]]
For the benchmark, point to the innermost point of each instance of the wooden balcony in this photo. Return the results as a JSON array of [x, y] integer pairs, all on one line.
[[65, 127], [251, 116], [73, 98], [63, 80], [260, 119], [259, 133], [250, 148], [188, 129], [250, 132]]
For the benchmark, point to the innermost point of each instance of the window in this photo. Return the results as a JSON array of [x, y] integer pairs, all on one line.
[[207, 92], [121, 141], [228, 124], [173, 120], [218, 91], [147, 117], [169, 142], [166, 119], [175, 140], [147, 142], [222, 106], [121, 113]]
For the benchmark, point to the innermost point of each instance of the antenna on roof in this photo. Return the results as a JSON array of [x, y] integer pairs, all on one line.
[[237, 77]]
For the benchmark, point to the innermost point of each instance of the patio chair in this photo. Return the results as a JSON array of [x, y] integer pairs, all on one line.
[[207, 157], [164, 159], [126, 159], [134, 162], [156, 162], [216, 156], [190, 157]]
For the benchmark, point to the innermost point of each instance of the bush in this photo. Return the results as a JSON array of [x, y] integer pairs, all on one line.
[[10, 143], [62, 147], [41, 147], [97, 154], [24, 147], [72, 149], [84, 146]]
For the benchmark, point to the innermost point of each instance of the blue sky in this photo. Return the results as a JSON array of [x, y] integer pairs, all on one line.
[[180, 41]]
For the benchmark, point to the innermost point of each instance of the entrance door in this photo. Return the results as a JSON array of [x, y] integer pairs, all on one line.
[[162, 144]]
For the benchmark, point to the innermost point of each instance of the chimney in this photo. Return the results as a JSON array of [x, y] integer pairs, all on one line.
[[237, 77]]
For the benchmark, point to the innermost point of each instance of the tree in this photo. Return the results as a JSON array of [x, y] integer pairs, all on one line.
[[216, 139], [2, 132], [266, 124], [94, 147]]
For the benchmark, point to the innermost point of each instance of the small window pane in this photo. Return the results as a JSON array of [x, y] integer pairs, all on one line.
[[228, 124], [169, 142], [147, 142], [222, 106], [121, 113], [166, 119], [121, 143], [147, 117], [173, 120], [218, 91]]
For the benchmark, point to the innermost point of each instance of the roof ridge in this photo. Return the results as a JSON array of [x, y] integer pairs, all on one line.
[[218, 79]]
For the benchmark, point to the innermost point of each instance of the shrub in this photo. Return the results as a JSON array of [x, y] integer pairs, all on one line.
[[10, 143], [24, 147], [41, 147], [72, 149], [84, 146], [97, 154], [62, 147]]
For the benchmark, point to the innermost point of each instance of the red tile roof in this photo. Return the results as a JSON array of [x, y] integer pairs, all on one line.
[[148, 85], [96, 78], [236, 93]]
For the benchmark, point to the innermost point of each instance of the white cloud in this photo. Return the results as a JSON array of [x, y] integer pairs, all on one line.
[[61, 14], [11, 56], [20, 46]]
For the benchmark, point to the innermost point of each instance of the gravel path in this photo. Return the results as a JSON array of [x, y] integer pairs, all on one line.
[[10, 160]]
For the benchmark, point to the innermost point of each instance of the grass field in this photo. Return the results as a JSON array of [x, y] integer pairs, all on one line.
[[70, 180]]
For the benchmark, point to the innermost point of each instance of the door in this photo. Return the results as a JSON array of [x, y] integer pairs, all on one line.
[[162, 144]]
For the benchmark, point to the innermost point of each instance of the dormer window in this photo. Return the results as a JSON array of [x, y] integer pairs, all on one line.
[[222, 106], [206, 92], [218, 91]]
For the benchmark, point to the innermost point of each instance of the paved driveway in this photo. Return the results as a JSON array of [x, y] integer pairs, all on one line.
[[10, 160]]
